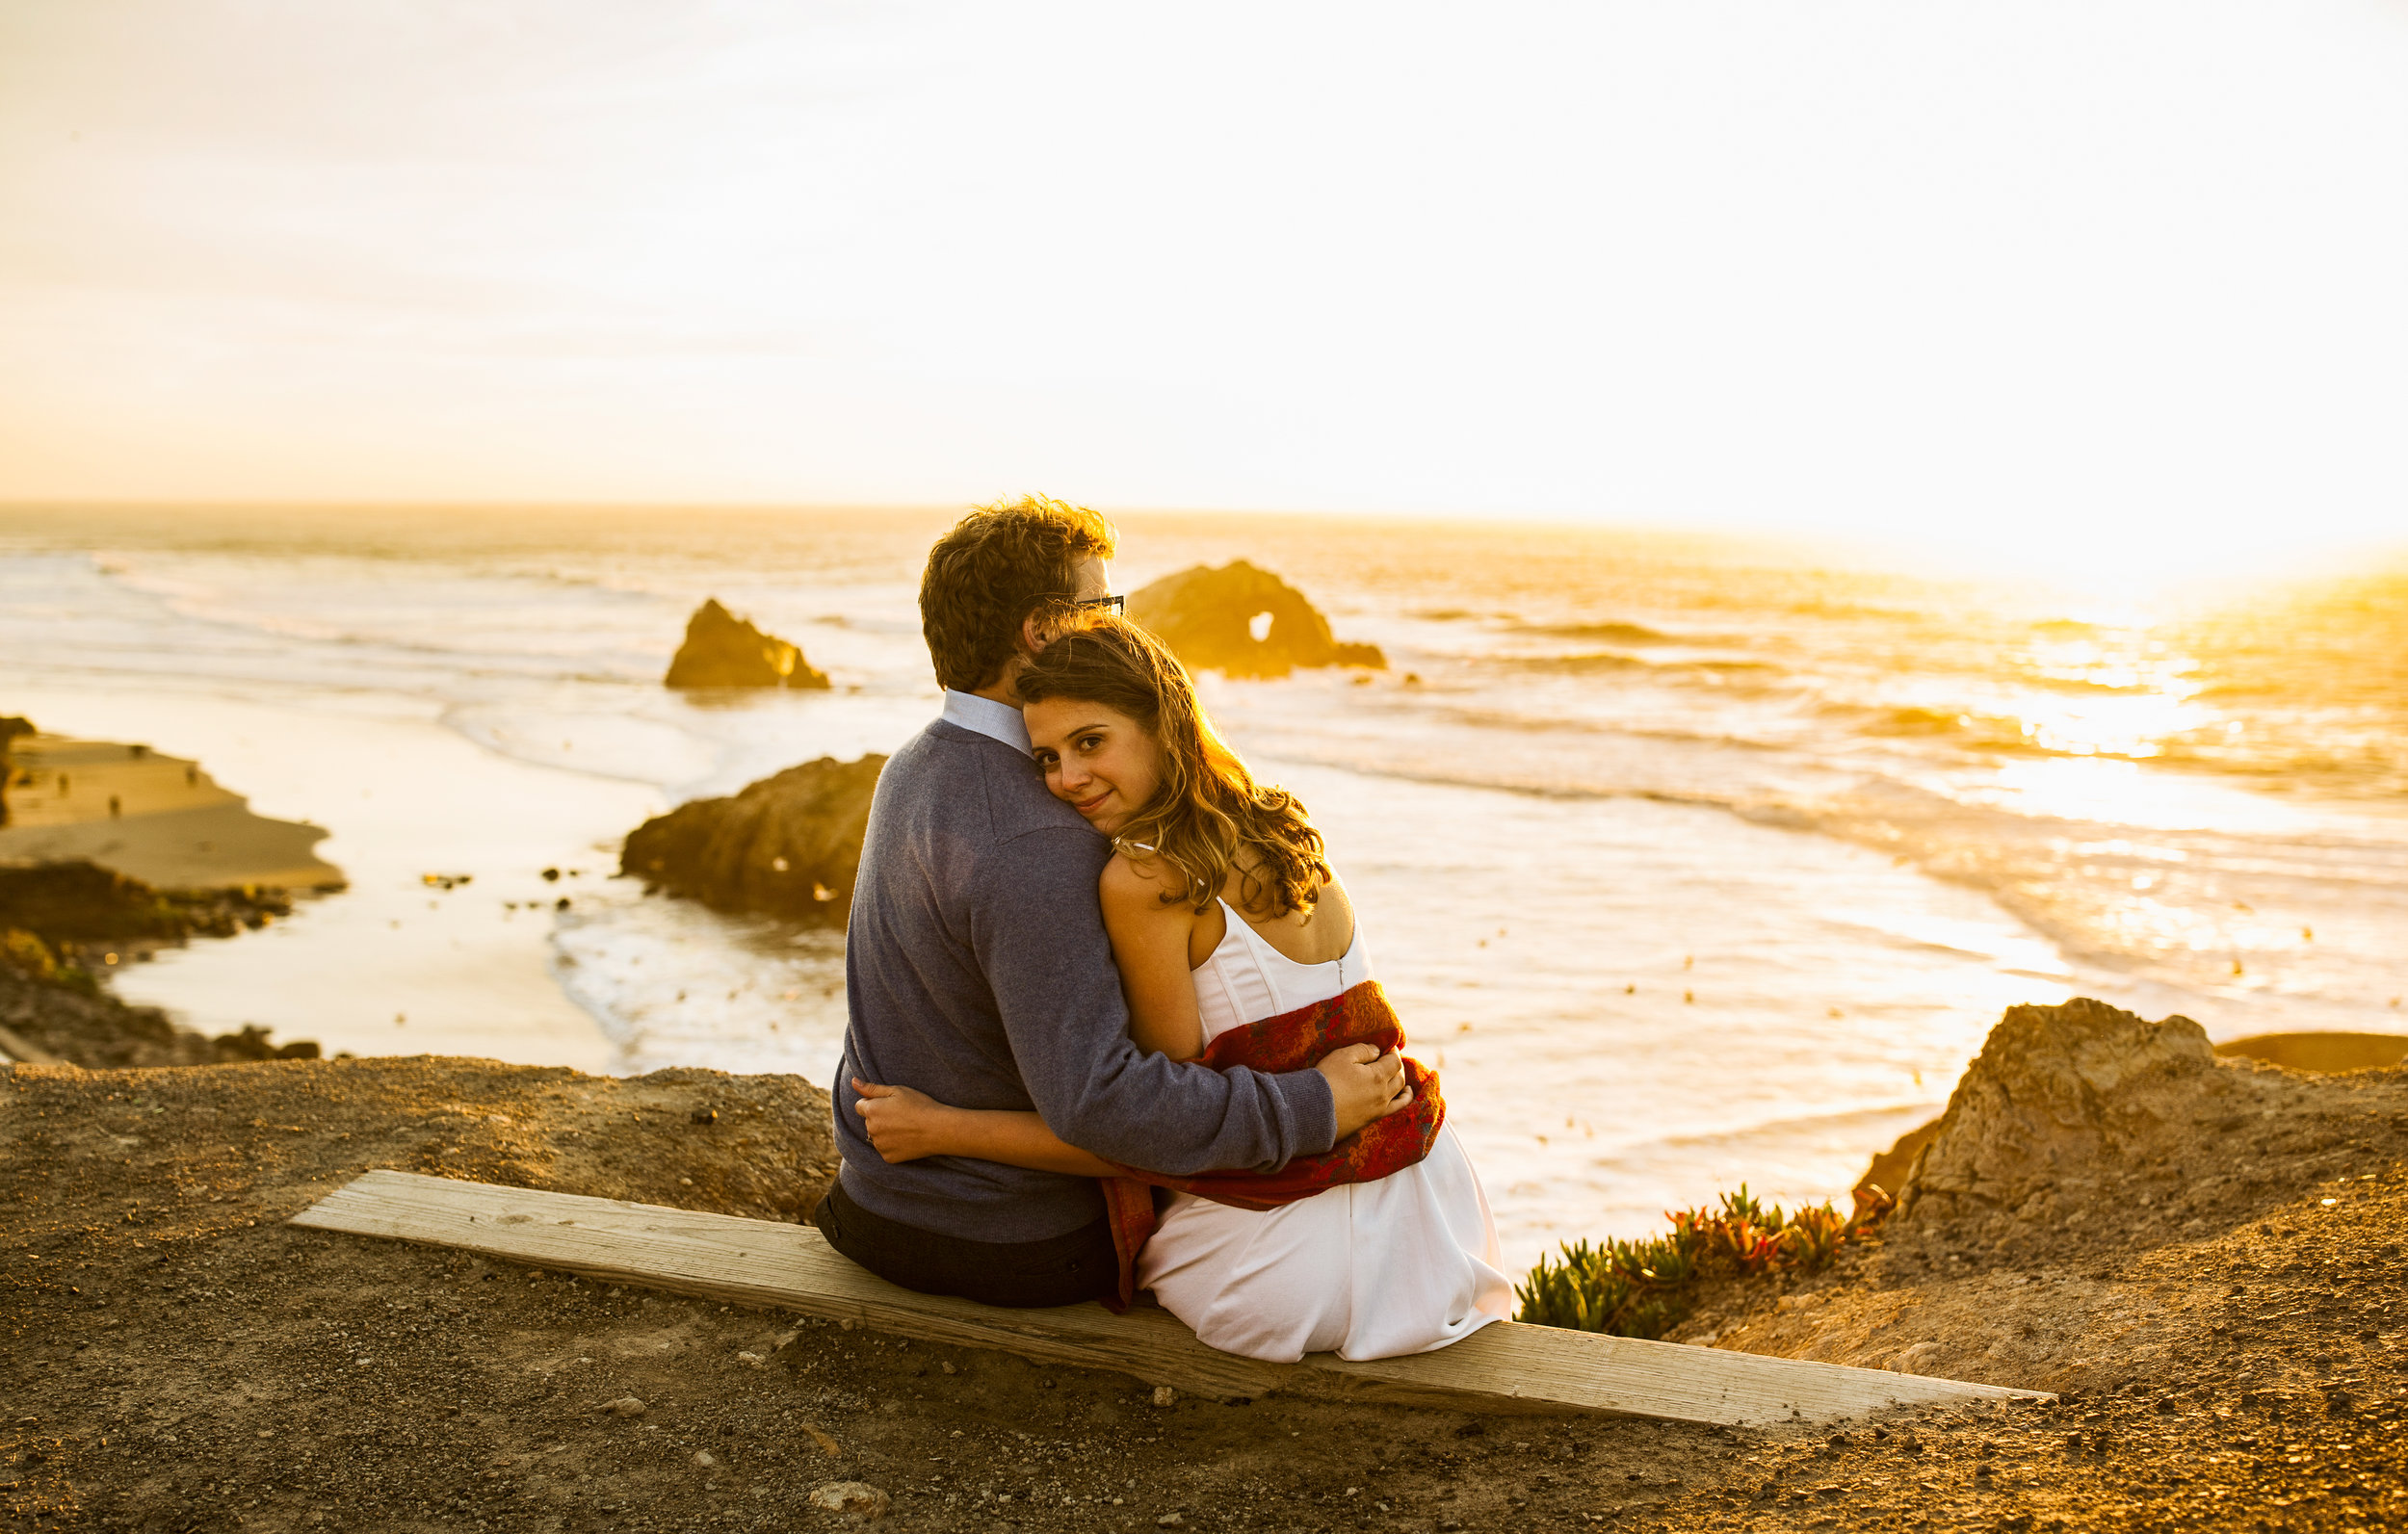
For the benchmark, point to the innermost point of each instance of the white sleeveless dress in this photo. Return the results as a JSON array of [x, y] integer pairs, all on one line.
[[1401, 1265]]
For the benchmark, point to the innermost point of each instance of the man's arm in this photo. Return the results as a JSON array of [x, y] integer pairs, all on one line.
[[1040, 939]]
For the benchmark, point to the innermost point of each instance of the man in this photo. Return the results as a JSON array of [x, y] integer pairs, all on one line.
[[977, 968]]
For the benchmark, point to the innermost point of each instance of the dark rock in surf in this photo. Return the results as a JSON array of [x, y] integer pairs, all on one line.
[[723, 650], [789, 846], [54, 1012], [1242, 621]]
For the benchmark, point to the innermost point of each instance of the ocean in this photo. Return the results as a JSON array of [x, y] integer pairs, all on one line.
[[1690, 860]]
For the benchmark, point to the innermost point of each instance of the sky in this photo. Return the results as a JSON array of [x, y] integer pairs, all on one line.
[[2123, 273]]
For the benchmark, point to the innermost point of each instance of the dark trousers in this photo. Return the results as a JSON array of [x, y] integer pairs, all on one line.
[[1061, 1270]]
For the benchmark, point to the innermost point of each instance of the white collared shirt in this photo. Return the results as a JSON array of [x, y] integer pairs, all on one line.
[[998, 722]]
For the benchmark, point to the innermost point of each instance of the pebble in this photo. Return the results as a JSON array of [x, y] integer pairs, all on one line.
[[624, 1406], [702, 1457], [1168, 1520], [857, 1497], [1165, 1395]]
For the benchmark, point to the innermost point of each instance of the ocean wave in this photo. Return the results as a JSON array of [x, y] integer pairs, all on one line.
[[2080, 686], [1576, 664], [1907, 720], [1453, 616], [2057, 848], [1601, 633], [1985, 734], [1591, 662], [1841, 1120]]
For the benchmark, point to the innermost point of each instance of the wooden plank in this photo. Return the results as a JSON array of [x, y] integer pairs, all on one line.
[[14, 1051], [761, 1262], [1506, 1366]]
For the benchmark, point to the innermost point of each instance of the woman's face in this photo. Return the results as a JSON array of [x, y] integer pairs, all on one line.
[[1098, 761]]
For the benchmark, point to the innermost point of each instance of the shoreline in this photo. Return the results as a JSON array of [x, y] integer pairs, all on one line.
[[465, 966], [152, 817]]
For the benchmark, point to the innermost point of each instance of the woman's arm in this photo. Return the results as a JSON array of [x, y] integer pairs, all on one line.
[[1150, 947], [904, 1125]]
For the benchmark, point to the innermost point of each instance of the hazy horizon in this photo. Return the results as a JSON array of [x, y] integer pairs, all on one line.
[[2113, 284]]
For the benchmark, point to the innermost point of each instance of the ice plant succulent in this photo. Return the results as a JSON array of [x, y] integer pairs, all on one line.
[[1643, 1288]]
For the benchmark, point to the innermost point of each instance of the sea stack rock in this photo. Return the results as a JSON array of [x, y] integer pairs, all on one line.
[[2059, 1096], [1242, 621], [788, 845], [723, 650]]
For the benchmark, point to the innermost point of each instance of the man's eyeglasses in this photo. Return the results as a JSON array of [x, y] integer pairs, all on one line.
[[1110, 603]]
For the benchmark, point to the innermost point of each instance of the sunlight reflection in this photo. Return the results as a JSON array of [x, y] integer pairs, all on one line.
[[2112, 725], [2106, 790]]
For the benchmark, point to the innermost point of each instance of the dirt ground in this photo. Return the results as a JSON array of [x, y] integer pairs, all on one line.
[[2220, 1307]]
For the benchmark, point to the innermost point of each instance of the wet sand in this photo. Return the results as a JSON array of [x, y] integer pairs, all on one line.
[[391, 962], [156, 817]]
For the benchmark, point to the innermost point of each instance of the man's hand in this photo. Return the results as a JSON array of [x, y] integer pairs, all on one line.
[[903, 1125], [1364, 1085]]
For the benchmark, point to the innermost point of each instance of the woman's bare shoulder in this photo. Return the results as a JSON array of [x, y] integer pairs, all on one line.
[[1130, 883]]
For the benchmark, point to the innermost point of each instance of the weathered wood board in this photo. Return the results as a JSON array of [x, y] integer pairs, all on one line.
[[1502, 1367]]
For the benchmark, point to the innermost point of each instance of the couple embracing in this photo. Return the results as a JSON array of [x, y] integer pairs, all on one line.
[[1111, 1020]]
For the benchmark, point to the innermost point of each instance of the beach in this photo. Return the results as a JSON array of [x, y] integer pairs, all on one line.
[[1690, 860], [1654, 965]]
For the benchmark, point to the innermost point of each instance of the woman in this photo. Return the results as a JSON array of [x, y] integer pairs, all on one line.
[[1222, 912]]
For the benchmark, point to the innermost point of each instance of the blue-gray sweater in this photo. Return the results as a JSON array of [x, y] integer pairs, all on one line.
[[977, 969]]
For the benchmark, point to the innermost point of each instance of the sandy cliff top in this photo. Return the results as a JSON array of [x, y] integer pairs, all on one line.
[[2210, 1267]]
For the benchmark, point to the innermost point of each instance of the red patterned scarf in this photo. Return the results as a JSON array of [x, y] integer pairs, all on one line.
[[1291, 1041]]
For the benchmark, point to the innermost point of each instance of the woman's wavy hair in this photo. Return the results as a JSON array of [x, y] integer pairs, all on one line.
[[1208, 816]]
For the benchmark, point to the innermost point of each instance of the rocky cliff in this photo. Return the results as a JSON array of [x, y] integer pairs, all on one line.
[[1244, 621], [2058, 1095], [788, 845], [723, 650]]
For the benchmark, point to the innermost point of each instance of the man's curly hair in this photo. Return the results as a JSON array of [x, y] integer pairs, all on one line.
[[999, 566]]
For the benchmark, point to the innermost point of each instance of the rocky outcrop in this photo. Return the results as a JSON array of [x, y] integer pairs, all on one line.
[[65, 926], [63, 1016], [80, 904], [1889, 1168], [723, 650], [788, 845], [11, 727], [2056, 1094], [1242, 621]]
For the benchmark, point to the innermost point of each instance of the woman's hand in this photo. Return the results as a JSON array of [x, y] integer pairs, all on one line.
[[902, 1124]]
